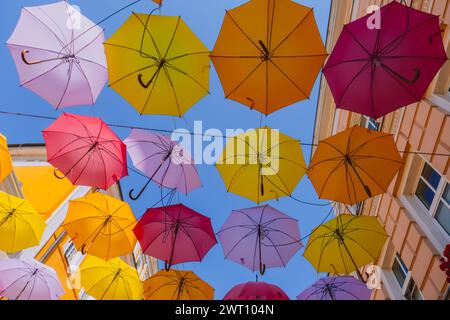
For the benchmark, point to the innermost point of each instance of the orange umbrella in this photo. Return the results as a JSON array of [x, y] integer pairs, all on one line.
[[268, 54], [354, 165], [177, 285]]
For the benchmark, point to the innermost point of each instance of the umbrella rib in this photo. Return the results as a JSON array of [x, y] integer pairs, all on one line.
[[88, 44], [166, 71], [276, 249], [358, 148], [325, 160], [295, 29], [69, 77], [287, 235], [131, 73], [376, 182], [243, 32], [236, 174], [187, 55], [173, 37], [344, 62], [287, 77], [42, 74], [359, 245], [390, 72], [226, 254], [349, 178], [169, 65], [146, 30], [357, 41], [244, 80], [87, 80], [387, 46], [156, 76], [362, 157], [372, 97], [61, 42], [329, 176], [146, 55], [352, 81]]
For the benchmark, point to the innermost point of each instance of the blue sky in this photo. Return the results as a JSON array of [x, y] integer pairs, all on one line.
[[204, 17]]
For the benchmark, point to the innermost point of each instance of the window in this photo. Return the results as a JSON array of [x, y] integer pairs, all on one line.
[[407, 285], [69, 250], [370, 123], [433, 191]]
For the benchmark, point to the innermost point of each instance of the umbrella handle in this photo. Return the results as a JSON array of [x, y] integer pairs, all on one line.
[[24, 59], [167, 265], [55, 173], [262, 268], [83, 249], [141, 82]]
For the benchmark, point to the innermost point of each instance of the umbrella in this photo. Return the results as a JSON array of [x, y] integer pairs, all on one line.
[[345, 243], [85, 150], [177, 285], [28, 279], [101, 226], [336, 288], [256, 290], [5, 159], [268, 54], [261, 164], [346, 167], [59, 54], [175, 234], [158, 64], [21, 226], [112, 280], [376, 71], [164, 161], [260, 237]]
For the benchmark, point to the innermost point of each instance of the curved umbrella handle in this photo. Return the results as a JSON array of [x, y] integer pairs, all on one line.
[[134, 198], [55, 173], [167, 265], [83, 249], [262, 268], [141, 82], [24, 59]]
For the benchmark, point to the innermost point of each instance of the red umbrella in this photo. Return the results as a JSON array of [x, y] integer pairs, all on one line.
[[376, 71], [175, 234], [256, 290], [85, 150]]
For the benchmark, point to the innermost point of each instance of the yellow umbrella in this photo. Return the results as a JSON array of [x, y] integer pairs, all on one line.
[[158, 64], [345, 243], [5, 159], [261, 164], [101, 226], [112, 280], [177, 285], [21, 226]]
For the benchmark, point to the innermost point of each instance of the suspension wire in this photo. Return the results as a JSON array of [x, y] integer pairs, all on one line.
[[29, 115]]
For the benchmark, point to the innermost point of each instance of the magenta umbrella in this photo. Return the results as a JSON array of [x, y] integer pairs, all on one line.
[[59, 54], [336, 288], [175, 234], [164, 161], [376, 71], [260, 237], [256, 290], [28, 279]]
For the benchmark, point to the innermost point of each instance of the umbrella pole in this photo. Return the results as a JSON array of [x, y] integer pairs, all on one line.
[[130, 194], [262, 266], [358, 273], [168, 264]]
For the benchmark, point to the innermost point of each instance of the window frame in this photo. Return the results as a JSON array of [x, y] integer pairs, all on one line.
[[408, 279], [365, 121]]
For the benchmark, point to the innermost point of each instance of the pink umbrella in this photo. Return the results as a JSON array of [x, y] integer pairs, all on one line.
[[374, 71], [28, 279], [260, 237], [162, 160], [59, 54], [175, 234], [256, 291], [85, 150]]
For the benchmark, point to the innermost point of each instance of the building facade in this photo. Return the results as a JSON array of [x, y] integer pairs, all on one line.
[[415, 211], [33, 179]]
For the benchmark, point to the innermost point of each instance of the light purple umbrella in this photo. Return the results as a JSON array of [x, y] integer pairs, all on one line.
[[336, 288], [28, 279], [164, 161], [260, 237], [59, 54]]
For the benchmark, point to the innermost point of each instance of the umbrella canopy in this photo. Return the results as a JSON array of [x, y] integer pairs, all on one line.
[[21, 226], [261, 164], [177, 285], [5, 158], [336, 288], [28, 279], [101, 226], [164, 161], [346, 167], [86, 151], [268, 54], [158, 64], [175, 234], [260, 237], [376, 71], [59, 54], [258, 290], [112, 280], [345, 243]]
